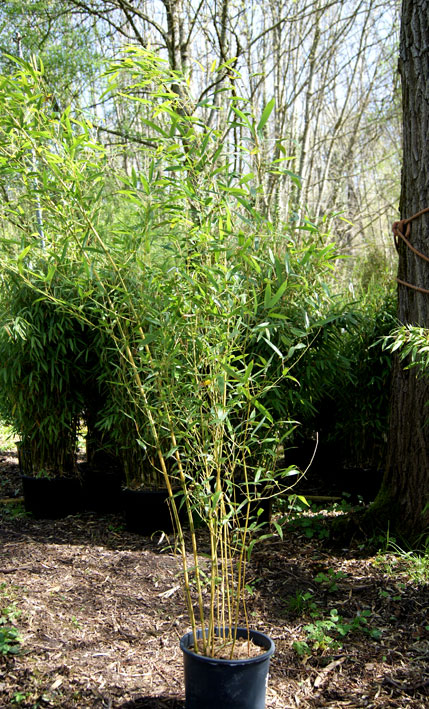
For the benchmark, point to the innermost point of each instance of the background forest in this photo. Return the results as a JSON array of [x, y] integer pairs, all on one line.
[[330, 69]]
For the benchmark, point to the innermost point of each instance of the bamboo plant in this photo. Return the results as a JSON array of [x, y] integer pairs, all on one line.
[[200, 279], [41, 350]]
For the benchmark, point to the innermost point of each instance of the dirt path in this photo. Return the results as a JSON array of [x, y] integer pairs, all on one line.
[[100, 613]]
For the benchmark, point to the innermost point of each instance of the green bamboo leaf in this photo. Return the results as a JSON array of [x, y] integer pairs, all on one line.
[[278, 529], [233, 373], [155, 127], [215, 499], [273, 347], [233, 190], [267, 295], [279, 316], [131, 197], [294, 348], [248, 371], [23, 254], [276, 297], [145, 184], [241, 115], [265, 116], [247, 178], [294, 177], [50, 274], [263, 410]]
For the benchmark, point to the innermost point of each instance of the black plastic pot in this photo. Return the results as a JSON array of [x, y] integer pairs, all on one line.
[[102, 488], [226, 684], [52, 498], [147, 511]]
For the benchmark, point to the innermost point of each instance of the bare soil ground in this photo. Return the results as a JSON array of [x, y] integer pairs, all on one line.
[[100, 613]]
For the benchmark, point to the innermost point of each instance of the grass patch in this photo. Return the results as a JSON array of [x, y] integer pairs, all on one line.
[[410, 564]]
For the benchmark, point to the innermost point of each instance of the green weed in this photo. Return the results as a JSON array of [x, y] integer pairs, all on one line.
[[14, 510], [327, 633], [312, 527], [301, 602], [329, 579], [20, 697], [319, 634], [9, 637], [9, 640]]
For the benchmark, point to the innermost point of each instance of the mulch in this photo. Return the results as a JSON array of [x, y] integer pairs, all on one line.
[[100, 613]]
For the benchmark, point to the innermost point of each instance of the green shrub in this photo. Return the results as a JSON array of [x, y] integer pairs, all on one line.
[[345, 380]]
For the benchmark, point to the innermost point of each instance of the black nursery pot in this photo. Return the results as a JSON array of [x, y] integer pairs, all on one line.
[[102, 488], [52, 498], [226, 684], [147, 511]]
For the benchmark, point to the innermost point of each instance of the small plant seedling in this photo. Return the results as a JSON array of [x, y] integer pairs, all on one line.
[[318, 633], [388, 595], [116, 528], [326, 634], [9, 640], [302, 602], [251, 586], [359, 623], [19, 697], [15, 510], [301, 648], [312, 527], [75, 622], [329, 579], [9, 637], [9, 614]]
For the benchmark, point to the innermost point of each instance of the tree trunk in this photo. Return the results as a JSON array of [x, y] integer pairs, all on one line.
[[405, 490]]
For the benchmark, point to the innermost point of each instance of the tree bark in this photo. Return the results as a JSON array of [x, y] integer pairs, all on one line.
[[405, 490]]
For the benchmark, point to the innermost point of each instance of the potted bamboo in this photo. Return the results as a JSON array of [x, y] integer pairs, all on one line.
[[203, 398], [197, 392], [40, 397]]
